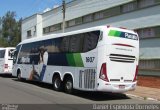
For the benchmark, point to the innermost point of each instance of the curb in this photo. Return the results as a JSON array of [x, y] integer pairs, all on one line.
[[143, 98]]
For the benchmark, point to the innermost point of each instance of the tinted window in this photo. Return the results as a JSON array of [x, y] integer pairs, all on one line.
[[30, 53], [15, 54], [76, 43], [65, 44], [90, 40], [2, 52]]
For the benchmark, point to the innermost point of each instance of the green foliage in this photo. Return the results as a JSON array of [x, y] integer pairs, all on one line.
[[11, 30], [3, 42]]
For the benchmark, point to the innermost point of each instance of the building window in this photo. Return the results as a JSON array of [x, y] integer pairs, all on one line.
[[129, 7], [78, 20], [57, 26], [51, 28], [46, 30], [29, 33], [54, 27], [98, 15], [145, 3], [87, 18], [71, 23], [146, 33], [112, 12], [149, 64]]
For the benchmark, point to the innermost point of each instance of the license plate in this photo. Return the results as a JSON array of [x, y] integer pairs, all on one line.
[[121, 86]]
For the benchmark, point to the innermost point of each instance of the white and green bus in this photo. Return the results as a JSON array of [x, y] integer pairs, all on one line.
[[100, 58]]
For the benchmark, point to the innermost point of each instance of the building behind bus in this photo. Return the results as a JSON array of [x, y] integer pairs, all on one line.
[[140, 15]]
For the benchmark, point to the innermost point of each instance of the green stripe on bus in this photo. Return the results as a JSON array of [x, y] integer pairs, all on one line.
[[114, 33], [117, 34], [70, 59], [78, 60], [111, 33]]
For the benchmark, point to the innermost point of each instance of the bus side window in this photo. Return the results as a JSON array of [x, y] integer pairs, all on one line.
[[65, 44], [76, 43], [90, 40]]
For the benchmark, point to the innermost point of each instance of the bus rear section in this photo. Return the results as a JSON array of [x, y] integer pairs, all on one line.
[[118, 67], [6, 60]]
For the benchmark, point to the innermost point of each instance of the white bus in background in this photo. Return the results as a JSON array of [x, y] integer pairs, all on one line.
[[101, 58], [6, 60]]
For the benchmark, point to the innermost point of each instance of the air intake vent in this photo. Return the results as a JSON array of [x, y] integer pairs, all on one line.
[[89, 79], [122, 58]]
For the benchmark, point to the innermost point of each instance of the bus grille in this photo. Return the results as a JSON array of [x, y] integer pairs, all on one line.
[[122, 58], [88, 80]]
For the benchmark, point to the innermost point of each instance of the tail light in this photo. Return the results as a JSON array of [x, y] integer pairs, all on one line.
[[136, 73], [103, 73], [5, 66]]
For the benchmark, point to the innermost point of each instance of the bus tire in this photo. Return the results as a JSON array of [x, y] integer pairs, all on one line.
[[57, 83], [68, 85], [19, 75]]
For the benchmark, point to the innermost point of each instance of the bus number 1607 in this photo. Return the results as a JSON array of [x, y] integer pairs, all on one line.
[[90, 59]]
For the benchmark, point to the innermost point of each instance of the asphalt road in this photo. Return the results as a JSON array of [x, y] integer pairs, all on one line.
[[41, 94]]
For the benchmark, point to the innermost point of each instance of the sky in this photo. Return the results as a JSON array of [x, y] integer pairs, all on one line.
[[25, 8]]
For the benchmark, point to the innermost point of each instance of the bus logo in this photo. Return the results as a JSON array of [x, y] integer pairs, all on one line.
[[115, 33]]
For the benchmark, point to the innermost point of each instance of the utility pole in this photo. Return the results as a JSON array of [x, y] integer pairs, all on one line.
[[64, 11]]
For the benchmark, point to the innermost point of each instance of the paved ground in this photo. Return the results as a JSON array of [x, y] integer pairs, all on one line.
[[146, 93], [26, 92]]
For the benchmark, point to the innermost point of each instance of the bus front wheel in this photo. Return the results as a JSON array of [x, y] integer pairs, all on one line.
[[19, 75]]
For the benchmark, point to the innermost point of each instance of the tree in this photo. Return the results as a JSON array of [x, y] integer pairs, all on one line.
[[17, 33], [0, 27], [11, 29]]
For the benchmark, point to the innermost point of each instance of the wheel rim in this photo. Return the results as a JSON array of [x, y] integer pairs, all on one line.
[[57, 83], [19, 76], [68, 85]]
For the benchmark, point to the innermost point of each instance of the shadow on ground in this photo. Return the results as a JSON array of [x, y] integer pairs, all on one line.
[[6, 75], [95, 96]]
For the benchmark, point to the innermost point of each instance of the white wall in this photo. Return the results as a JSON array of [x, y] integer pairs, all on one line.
[[74, 9], [39, 26], [79, 8], [30, 24], [148, 17], [142, 18]]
